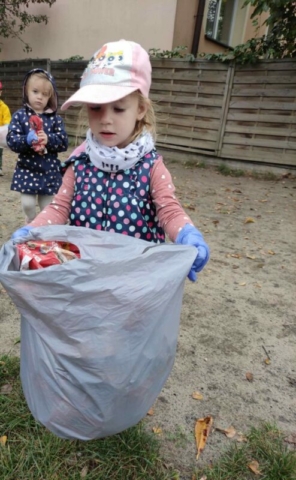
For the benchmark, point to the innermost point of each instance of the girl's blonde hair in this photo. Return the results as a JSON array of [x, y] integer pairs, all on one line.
[[52, 95], [149, 120], [147, 123]]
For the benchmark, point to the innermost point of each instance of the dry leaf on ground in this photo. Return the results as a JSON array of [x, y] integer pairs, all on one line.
[[251, 257], [6, 389], [230, 432], [150, 412], [3, 440], [197, 396], [202, 430], [157, 430], [249, 220], [291, 439], [254, 467], [84, 472], [249, 376]]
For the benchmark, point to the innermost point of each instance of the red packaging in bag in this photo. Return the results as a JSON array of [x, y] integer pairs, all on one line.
[[36, 254]]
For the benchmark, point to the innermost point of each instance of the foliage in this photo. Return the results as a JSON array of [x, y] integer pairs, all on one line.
[[278, 43], [15, 19], [177, 52], [74, 58]]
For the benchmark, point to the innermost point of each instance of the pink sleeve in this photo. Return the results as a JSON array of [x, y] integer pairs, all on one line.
[[57, 212], [171, 215], [78, 150]]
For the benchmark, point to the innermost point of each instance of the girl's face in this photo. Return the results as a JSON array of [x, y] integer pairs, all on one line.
[[38, 92], [113, 124]]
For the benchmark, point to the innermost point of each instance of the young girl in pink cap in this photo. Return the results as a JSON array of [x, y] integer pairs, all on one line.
[[116, 181]]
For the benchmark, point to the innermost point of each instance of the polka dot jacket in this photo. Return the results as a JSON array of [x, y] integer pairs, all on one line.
[[34, 173], [115, 201]]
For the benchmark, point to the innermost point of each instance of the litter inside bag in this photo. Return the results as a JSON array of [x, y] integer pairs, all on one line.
[[41, 254], [98, 333]]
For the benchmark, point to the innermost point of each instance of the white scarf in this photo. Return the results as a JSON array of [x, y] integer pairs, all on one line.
[[113, 159]]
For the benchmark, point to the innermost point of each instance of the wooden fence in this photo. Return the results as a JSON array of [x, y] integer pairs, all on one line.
[[223, 111]]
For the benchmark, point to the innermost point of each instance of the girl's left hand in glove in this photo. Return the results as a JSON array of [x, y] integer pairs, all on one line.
[[189, 235]]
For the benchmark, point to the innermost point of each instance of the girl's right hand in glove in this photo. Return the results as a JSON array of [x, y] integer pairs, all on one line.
[[21, 232]]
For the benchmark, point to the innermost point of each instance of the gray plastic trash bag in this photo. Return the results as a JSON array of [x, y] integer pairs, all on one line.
[[98, 334]]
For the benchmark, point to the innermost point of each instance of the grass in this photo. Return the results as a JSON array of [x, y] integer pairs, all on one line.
[[264, 445], [32, 452], [232, 172], [227, 171]]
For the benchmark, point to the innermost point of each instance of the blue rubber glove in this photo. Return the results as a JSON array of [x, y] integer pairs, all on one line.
[[189, 235], [21, 232], [31, 137]]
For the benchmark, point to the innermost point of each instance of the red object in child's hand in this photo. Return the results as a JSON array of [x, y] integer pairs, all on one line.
[[38, 254], [36, 124]]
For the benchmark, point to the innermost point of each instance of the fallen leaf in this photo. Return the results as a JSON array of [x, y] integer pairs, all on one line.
[[230, 432], [251, 257], [197, 396], [254, 467], [5, 389], [271, 252], [242, 284], [249, 376], [241, 438], [3, 440], [236, 255], [291, 439], [150, 412], [202, 430], [157, 430], [189, 206], [84, 472], [249, 220], [267, 361]]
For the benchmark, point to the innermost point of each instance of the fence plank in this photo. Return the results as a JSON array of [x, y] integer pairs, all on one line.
[[244, 112]]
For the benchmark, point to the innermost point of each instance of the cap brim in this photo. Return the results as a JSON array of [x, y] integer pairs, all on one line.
[[97, 94]]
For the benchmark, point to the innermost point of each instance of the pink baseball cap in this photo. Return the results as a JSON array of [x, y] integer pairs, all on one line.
[[114, 71]]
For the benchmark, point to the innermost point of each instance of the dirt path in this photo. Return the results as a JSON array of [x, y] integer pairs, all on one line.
[[244, 300]]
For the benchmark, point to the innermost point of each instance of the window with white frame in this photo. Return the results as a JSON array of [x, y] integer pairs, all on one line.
[[221, 17]]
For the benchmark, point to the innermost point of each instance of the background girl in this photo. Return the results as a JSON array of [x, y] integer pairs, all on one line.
[[37, 173]]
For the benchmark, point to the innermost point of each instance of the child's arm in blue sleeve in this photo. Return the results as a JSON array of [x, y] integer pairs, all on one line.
[[17, 136], [57, 138]]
